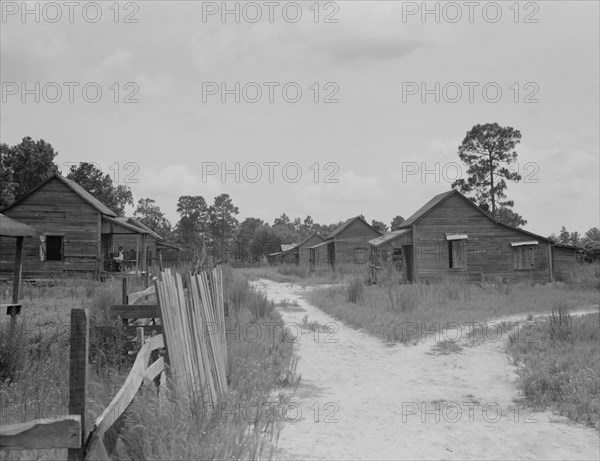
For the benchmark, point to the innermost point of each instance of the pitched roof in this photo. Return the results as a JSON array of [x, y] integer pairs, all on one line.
[[347, 224], [287, 246], [85, 195], [12, 228], [386, 238], [440, 198], [320, 244], [426, 208], [137, 223], [125, 224], [296, 245]]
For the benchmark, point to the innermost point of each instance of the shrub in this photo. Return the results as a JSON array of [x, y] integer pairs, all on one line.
[[560, 322], [355, 290]]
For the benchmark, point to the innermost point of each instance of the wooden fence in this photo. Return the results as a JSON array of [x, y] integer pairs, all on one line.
[[194, 329], [198, 363]]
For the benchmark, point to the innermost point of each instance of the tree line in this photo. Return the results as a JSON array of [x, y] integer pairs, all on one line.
[[488, 150], [201, 227]]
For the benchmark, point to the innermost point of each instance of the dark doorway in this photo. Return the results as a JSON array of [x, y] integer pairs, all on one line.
[[409, 257]]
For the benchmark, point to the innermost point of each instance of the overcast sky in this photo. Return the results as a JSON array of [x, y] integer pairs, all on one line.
[[376, 140]]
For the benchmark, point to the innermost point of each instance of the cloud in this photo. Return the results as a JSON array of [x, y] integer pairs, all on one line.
[[174, 181], [365, 48], [351, 189]]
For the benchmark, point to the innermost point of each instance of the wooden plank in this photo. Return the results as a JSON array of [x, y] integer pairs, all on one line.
[[134, 297], [155, 369], [11, 309], [136, 311], [17, 271], [207, 384], [78, 373], [127, 392], [62, 432]]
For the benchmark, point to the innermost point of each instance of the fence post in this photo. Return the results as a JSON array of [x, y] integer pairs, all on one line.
[[124, 298], [124, 291], [78, 371]]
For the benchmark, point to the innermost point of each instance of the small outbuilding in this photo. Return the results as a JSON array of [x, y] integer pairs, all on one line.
[[299, 253], [348, 243]]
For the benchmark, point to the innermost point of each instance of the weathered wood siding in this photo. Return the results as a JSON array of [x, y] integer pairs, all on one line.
[[382, 256], [302, 250], [565, 261], [55, 209], [356, 235], [488, 249], [319, 253]]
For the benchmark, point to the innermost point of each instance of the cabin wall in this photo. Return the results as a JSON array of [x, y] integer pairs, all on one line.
[[357, 235], [488, 249], [319, 253], [303, 250], [54, 209], [565, 262], [382, 256]]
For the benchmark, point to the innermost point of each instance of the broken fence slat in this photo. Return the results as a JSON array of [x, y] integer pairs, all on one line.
[[138, 311], [127, 392], [63, 432], [132, 298]]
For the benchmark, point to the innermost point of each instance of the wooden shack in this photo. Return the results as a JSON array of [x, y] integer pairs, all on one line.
[[76, 232], [299, 253], [281, 256], [348, 243], [394, 249], [451, 237]]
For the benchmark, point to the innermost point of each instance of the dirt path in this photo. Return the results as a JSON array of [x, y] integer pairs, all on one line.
[[376, 401]]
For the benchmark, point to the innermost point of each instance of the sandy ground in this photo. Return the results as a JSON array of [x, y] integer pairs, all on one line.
[[360, 398]]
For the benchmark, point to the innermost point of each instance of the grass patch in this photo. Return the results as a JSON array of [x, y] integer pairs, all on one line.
[[301, 275], [446, 348], [392, 312], [560, 370], [248, 419], [34, 360]]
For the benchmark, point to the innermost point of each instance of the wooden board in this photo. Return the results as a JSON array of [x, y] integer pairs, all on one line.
[[63, 432], [140, 311]]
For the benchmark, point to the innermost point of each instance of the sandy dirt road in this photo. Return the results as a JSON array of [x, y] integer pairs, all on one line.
[[360, 398]]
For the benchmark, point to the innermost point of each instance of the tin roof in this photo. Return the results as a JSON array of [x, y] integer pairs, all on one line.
[[386, 238]]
